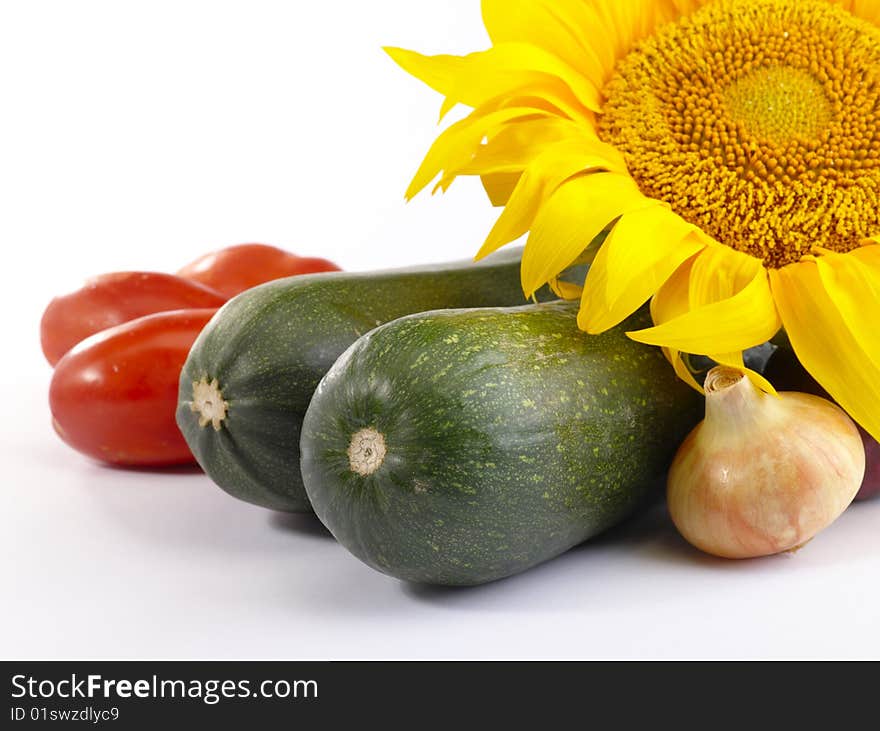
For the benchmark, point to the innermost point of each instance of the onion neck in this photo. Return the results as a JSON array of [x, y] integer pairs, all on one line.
[[733, 404]]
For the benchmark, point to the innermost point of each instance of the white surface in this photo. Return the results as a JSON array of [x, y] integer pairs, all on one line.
[[137, 136]]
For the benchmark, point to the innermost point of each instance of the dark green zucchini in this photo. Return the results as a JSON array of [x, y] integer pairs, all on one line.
[[250, 375], [462, 447]]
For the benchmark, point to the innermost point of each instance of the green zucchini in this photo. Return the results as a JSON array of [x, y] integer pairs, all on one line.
[[250, 375], [462, 447]]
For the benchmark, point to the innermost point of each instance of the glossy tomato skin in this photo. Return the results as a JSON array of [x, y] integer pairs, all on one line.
[[112, 299], [236, 268], [113, 397]]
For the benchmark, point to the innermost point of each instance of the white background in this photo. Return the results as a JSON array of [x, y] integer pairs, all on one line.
[[138, 135]]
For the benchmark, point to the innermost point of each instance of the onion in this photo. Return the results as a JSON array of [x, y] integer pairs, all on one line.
[[762, 474], [785, 371]]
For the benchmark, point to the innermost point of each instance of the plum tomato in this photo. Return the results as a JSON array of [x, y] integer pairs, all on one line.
[[114, 395], [112, 299], [236, 268]]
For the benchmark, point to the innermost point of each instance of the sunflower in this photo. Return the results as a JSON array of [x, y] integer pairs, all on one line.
[[726, 154]]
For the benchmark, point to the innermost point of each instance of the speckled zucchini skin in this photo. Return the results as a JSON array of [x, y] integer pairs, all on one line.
[[510, 437], [269, 347]]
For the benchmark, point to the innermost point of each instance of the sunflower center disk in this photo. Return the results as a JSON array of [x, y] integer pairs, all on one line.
[[758, 121], [779, 104]]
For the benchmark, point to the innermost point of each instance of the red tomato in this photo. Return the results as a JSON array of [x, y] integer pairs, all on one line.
[[114, 396], [112, 299], [237, 268]]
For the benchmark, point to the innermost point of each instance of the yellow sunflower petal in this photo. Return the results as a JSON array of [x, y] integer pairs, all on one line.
[[719, 273], [542, 92], [842, 358], [681, 370], [642, 251], [867, 9], [478, 77], [505, 61], [502, 154], [626, 22], [570, 219], [473, 79], [869, 254], [565, 290], [543, 176], [671, 301], [501, 161], [500, 186], [517, 144], [440, 72], [673, 298], [630, 21], [735, 360], [853, 285], [730, 307], [557, 26], [457, 145]]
